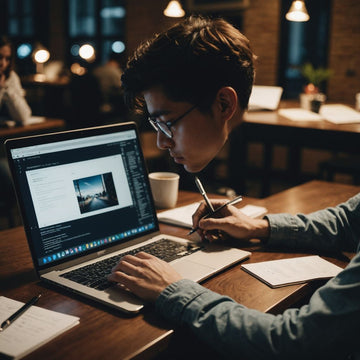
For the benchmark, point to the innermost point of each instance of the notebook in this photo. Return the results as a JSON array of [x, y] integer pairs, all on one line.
[[85, 200]]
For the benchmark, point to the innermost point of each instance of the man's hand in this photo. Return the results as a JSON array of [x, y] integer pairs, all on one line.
[[144, 274], [231, 221]]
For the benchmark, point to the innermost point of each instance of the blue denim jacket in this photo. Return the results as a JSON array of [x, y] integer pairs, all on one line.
[[328, 327]]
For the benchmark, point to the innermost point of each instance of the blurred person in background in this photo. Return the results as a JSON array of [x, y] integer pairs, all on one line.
[[13, 105]]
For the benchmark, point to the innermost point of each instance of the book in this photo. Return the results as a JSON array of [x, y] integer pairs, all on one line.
[[182, 216], [35, 327], [277, 273]]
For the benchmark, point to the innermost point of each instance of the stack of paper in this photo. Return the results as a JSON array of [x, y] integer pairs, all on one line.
[[339, 114], [182, 216]]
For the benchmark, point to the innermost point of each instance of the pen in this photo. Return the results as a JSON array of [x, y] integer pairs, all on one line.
[[230, 202], [203, 193], [18, 313]]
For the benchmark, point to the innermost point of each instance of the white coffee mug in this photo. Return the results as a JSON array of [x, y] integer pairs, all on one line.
[[165, 188]]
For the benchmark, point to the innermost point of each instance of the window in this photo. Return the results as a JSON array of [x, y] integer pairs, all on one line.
[[19, 21], [99, 23], [302, 42]]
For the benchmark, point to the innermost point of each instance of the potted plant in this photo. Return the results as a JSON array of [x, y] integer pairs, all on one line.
[[312, 98], [314, 77]]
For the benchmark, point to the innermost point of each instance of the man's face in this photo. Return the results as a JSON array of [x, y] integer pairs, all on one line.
[[197, 137]]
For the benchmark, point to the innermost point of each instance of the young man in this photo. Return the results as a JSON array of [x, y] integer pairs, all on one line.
[[195, 80]]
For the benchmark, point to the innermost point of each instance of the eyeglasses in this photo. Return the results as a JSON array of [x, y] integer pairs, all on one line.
[[165, 127]]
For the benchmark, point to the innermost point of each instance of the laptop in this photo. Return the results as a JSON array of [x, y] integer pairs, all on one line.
[[265, 97], [85, 201]]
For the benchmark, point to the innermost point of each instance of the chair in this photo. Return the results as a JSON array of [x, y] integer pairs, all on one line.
[[342, 164]]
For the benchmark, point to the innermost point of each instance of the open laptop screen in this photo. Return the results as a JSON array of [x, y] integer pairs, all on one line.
[[81, 191]]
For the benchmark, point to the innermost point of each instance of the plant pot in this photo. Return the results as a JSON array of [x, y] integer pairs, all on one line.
[[312, 102]]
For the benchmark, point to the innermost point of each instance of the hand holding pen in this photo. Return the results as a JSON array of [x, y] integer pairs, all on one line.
[[212, 212]]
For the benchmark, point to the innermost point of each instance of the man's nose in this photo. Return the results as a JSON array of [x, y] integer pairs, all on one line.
[[163, 141]]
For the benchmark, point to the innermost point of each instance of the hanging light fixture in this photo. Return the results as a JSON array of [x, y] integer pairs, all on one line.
[[174, 9], [297, 12], [40, 56]]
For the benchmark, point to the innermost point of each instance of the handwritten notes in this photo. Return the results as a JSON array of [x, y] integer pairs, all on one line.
[[34, 328]]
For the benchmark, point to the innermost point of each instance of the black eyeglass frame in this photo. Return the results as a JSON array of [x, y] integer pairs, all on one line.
[[165, 127]]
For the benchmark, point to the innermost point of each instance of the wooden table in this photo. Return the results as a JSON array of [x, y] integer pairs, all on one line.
[[107, 334], [269, 128], [48, 125]]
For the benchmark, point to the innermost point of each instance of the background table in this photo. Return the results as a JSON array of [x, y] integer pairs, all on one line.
[[269, 128], [107, 334], [49, 124]]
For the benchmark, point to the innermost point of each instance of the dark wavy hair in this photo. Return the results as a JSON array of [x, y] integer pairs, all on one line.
[[190, 62], [5, 41]]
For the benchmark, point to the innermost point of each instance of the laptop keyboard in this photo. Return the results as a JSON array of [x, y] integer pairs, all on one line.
[[95, 275]]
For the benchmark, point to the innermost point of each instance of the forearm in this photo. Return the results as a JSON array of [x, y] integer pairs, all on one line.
[[335, 229]]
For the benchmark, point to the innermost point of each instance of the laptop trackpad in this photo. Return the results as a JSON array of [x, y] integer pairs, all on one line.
[[191, 270]]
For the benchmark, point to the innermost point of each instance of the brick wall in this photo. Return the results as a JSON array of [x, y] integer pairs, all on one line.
[[261, 24], [143, 19], [344, 52]]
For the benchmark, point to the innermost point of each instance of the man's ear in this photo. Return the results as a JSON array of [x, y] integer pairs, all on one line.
[[227, 102]]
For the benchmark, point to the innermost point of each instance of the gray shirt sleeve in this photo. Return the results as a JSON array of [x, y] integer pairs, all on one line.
[[327, 327], [331, 229]]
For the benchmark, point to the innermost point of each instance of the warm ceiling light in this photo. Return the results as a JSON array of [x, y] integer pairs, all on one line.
[[87, 52], [41, 56], [297, 12], [174, 9]]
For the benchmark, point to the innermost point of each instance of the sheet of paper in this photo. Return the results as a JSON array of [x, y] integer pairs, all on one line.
[[339, 114], [32, 329], [182, 216], [283, 272], [297, 114]]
